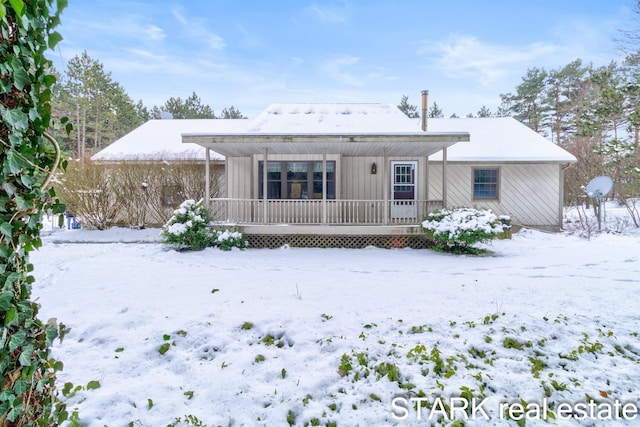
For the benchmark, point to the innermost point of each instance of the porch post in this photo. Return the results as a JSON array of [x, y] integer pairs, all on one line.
[[444, 177], [426, 183], [324, 186], [385, 187], [265, 196], [207, 178]]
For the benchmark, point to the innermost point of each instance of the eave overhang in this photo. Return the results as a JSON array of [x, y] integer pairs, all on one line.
[[346, 144]]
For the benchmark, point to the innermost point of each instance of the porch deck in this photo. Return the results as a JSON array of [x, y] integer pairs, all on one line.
[[327, 223]]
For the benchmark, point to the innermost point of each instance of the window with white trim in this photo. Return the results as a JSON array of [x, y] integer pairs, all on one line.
[[486, 184]]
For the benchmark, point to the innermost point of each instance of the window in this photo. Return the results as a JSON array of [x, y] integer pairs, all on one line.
[[317, 180], [403, 181], [297, 180], [170, 195], [274, 180], [485, 184]]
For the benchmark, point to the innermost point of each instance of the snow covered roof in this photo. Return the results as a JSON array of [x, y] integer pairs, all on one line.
[[332, 119], [162, 140], [346, 129], [309, 126], [498, 139]]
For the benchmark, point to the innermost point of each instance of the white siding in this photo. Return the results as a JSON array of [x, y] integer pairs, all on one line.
[[358, 183], [239, 177], [529, 192]]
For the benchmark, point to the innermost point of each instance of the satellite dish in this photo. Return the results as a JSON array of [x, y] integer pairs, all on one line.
[[165, 115], [599, 187]]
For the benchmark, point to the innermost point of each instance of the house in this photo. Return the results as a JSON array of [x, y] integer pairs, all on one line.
[[150, 172], [359, 174]]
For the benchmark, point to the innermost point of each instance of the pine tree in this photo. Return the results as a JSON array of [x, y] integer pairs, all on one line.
[[231, 113], [189, 108], [100, 108], [528, 103], [410, 110], [435, 111], [484, 111]]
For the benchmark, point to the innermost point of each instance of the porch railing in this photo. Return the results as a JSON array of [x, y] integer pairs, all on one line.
[[334, 212]]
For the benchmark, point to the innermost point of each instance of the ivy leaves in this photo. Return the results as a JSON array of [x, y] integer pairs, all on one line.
[[29, 158], [17, 5]]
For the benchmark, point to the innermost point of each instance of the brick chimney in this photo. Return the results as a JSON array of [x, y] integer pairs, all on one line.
[[425, 98]]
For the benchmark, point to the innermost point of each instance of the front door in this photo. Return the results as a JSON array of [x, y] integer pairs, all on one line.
[[404, 190]]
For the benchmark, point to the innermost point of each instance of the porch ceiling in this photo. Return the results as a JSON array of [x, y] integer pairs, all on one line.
[[361, 145]]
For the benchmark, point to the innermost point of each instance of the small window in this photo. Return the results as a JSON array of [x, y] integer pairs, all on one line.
[[485, 184], [170, 195]]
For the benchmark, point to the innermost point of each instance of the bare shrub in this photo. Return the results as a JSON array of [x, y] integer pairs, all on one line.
[[588, 166], [87, 191], [631, 195], [171, 183], [618, 225], [134, 193], [633, 208], [578, 221]]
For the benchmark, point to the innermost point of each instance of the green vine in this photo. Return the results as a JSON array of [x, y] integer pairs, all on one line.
[[30, 157]]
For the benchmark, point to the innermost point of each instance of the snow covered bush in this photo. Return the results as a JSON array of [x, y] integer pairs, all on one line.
[[188, 228], [457, 230], [228, 239]]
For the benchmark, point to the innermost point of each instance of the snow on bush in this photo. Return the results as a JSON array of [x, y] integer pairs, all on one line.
[[188, 228], [458, 229], [228, 239]]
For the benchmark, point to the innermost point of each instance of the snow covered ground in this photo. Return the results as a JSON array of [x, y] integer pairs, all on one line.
[[346, 337]]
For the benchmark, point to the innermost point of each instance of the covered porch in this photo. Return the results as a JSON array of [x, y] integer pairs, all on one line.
[[328, 210]]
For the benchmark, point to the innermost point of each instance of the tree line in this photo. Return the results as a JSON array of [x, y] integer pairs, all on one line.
[[592, 112], [101, 111]]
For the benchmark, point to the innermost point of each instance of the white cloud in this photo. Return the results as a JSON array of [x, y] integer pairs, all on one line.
[[592, 42], [138, 61], [197, 29], [330, 14], [335, 68], [133, 27], [247, 37], [152, 32], [469, 57]]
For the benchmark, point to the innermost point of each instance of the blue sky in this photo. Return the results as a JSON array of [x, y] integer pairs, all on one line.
[[253, 53]]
